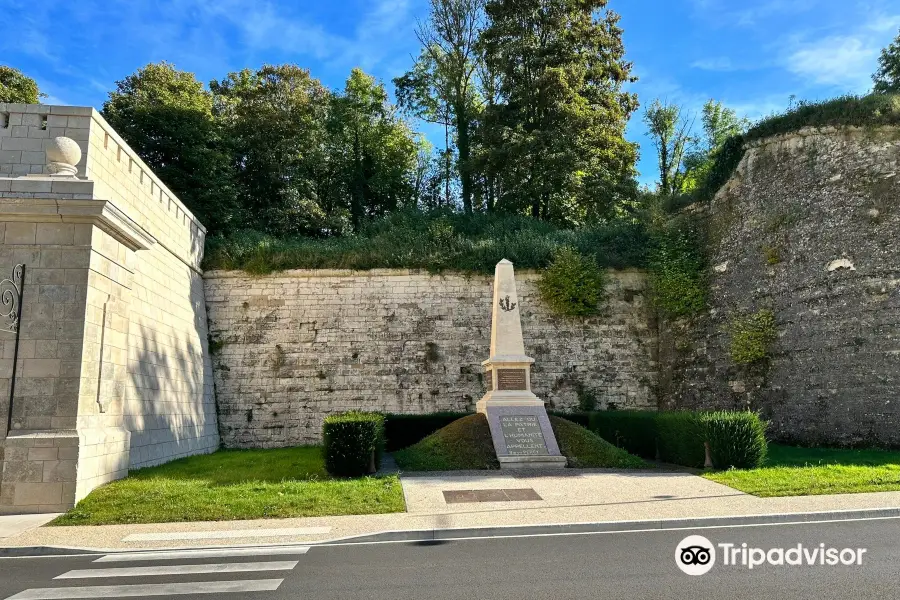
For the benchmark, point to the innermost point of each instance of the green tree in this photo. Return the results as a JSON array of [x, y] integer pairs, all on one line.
[[166, 116], [423, 93], [449, 38], [15, 86], [372, 154], [275, 119], [557, 145], [887, 77], [670, 132], [719, 124]]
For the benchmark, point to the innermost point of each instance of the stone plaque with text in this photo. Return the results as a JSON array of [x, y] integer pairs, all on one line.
[[523, 435], [511, 379]]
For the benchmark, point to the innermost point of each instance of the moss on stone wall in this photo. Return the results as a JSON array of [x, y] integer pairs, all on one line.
[[751, 336]]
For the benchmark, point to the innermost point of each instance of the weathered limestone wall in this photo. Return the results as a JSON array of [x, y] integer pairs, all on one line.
[[113, 369], [807, 228], [293, 347]]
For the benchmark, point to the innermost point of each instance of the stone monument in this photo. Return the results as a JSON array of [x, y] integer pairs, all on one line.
[[519, 424]]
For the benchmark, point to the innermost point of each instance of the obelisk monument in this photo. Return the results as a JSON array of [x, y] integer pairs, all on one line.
[[520, 428]]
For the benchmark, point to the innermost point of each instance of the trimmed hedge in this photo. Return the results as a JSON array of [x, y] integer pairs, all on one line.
[[404, 430], [576, 417], [736, 439], [680, 438], [351, 441], [633, 430]]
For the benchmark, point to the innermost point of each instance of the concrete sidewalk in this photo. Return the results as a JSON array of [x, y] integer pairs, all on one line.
[[572, 498]]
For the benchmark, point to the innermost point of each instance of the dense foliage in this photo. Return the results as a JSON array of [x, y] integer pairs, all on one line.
[[873, 110], [633, 430], [437, 240], [272, 149], [167, 116], [15, 86], [572, 285], [677, 261], [584, 449], [887, 77], [736, 439], [553, 138], [462, 445], [352, 443], [680, 438]]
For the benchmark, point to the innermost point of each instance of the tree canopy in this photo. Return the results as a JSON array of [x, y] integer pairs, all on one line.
[[15, 86], [557, 147], [887, 77], [166, 116]]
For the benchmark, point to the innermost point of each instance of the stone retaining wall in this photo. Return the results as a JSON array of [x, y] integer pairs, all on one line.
[[293, 347]]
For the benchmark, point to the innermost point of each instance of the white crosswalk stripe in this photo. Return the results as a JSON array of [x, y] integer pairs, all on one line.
[[147, 587], [205, 553], [283, 565]]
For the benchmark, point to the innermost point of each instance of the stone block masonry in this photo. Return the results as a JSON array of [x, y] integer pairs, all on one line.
[[806, 228], [113, 371], [293, 347]]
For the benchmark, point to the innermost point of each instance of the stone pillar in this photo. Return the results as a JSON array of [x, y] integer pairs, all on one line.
[[519, 424], [67, 435]]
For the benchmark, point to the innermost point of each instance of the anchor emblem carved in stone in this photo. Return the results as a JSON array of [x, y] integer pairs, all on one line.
[[506, 305]]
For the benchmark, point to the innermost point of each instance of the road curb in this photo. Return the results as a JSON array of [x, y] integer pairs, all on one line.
[[426, 536], [438, 535]]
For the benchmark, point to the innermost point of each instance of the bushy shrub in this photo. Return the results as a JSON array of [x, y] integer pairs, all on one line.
[[351, 441], [736, 439], [680, 438], [751, 336], [633, 430], [573, 284], [404, 430]]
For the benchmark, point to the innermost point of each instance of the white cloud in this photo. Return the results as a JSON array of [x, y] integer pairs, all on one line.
[[837, 61], [729, 13], [719, 63]]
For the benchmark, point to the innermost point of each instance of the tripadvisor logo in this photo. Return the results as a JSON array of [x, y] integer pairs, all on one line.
[[696, 555]]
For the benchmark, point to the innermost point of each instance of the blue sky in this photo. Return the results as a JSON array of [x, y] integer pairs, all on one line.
[[751, 54]]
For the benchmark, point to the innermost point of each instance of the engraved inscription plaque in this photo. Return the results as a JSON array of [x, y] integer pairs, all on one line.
[[511, 379], [523, 435]]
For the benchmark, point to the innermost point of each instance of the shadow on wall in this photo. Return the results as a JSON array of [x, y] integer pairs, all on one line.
[[171, 408]]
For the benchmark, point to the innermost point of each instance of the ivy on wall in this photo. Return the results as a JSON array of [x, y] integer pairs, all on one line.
[[678, 280]]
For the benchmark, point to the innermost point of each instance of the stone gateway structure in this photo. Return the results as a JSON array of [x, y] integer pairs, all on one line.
[[113, 370]]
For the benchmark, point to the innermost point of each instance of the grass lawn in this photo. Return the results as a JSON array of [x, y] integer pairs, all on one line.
[[235, 484], [466, 444], [792, 471]]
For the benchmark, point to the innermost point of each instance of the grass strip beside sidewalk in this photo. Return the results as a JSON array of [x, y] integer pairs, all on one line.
[[794, 471], [235, 484]]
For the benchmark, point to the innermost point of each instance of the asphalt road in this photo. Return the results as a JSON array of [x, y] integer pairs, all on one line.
[[639, 565]]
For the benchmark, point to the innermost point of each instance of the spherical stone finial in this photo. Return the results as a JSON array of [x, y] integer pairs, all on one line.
[[62, 155]]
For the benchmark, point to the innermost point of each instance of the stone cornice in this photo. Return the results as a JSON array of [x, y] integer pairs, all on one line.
[[102, 213]]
